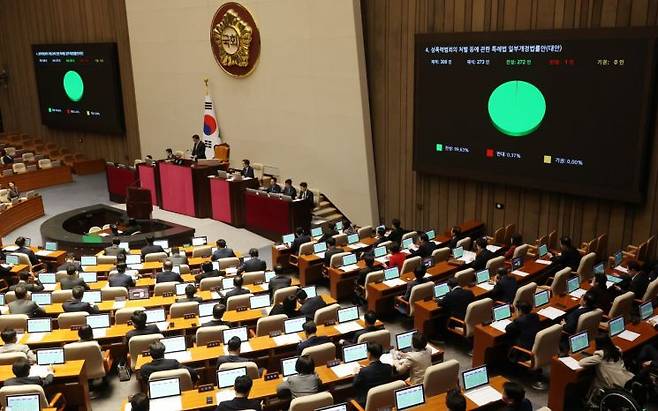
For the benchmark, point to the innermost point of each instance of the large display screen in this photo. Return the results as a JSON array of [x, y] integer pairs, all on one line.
[[565, 111], [79, 86]]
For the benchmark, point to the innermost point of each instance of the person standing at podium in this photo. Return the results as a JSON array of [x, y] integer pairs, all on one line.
[[199, 148], [169, 154], [247, 169], [305, 193], [289, 190]]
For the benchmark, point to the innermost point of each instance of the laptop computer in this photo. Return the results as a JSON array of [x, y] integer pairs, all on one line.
[[42, 299], [200, 240], [431, 235], [48, 278], [458, 252], [316, 232], [440, 290], [578, 342], [336, 407], [406, 243], [319, 248], [646, 310], [573, 284], [352, 239], [380, 251], [403, 340], [259, 301], [616, 326], [287, 238], [92, 297], [162, 243], [50, 356], [98, 321], [133, 259], [355, 352], [288, 366], [174, 344], [482, 276], [227, 283], [155, 315], [619, 257], [39, 325], [88, 277], [138, 293], [294, 325], [180, 288], [50, 246], [349, 259], [226, 378], [391, 273], [23, 402], [348, 314], [410, 397], [125, 245], [206, 309], [502, 312], [599, 268], [517, 263], [28, 241], [12, 259], [310, 291], [164, 388], [240, 332], [339, 226], [269, 275], [541, 298], [542, 250], [87, 260]]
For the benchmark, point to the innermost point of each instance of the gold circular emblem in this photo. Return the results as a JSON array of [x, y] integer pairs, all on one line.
[[235, 39]]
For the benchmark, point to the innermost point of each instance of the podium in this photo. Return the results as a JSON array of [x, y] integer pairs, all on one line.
[[228, 199], [119, 178], [273, 215], [138, 203], [185, 189], [148, 179]]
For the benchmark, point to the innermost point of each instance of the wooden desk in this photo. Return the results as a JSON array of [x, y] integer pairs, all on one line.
[[438, 402], [281, 256], [53, 258], [19, 268], [20, 214], [39, 178], [251, 316]]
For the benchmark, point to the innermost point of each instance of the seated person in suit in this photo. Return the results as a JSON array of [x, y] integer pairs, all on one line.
[[279, 280], [237, 290], [397, 257], [370, 319], [139, 402], [425, 247], [369, 259], [505, 288], [570, 321], [233, 347], [288, 307], [309, 305], [636, 280], [242, 388], [396, 232], [413, 362], [208, 272], [289, 190], [27, 280], [222, 251], [523, 329], [482, 255], [190, 291], [169, 154], [5, 158], [305, 382], [86, 334], [11, 345], [515, 241], [274, 187], [455, 400], [310, 330], [114, 249], [72, 280], [253, 263], [455, 236], [70, 261], [247, 169], [374, 374], [150, 248], [76, 304], [217, 313], [514, 397], [419, 278], [603, 296], [328, 232], [305, 194], [167, 275], [120, 278], [300, 238], [140, 327], [380, 235], [21, 370], [332, 249], [160, 363], [20, 242], [24, 306], [177, 257], [14, 193], [454, 304], [568, 257]]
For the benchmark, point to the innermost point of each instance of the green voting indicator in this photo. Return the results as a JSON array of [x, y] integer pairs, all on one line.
[[73, 85], [516, 108]]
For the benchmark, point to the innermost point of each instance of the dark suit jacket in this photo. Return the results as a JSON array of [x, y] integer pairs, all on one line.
[[30, 380], [238, 404], [290, 192], [252, 264], [311, 305], [30, 254], [277, 282], [65, 266], [375, 374], [298, 241], [7, 160], [164, 364], [121, 280], [222, 253], [31, 287], [230, 358], [26, 307], [212, 323], [327, 235], [571, 319], [199, 151], [114, 250], [568, 258], [505, 290], [396, 235], [480, 262], [273, 189], [149, 329], [367, 329], [361, 280], [148, 249], [525, 405], [278, 309], [74, 305], [639, 284], [168, 276], [189, 300], [206, 274], [314, 340], [68, 283], [424, 250], [456, 302], [247, 172], [235, 291], [308, 195], [522, 331]]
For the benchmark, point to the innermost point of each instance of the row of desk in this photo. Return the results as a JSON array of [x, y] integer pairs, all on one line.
[[43, 177], [20, 214]]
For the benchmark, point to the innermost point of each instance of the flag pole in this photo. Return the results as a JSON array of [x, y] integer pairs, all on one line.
[[205, 80]]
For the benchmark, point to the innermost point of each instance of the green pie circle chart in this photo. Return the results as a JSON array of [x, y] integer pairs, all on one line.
[[73, 85], [516, 108]]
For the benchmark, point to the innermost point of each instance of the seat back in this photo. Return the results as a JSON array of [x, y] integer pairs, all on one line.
[[228, 262], [499, 235], [321, 353], [341, 240], [621, 305], [166, 287], [19, 168], [373, 277], [90, 352], [383, 396], [325, 314], [495, 263], [306, 248], [464, 242], [209, 283], [106, 259], [365, 232], [420, 292], [337, 259], [586, 267], [510, 229], [526, 294], [440, 254], [94, 229], [311, 402], [67, 320], [27, 156], [552, 240], [465, 277], [150, 257], [282, 293], [253, 277], [477, 312], [8, 358], [652, 291], [110, 293], [521, 251], [602, 246], [381, 337], [179, 310], [546, 346], [410, 234], [442, 377], [23, 389], [559, 284], [139, 344], [222, 152], [232, 303], [266, 325], [202, 251], [122, 315], [252, 368], [410, 264], [45, 163], [182, 374], [590, 322], [651, 247], [258, 170], [13, 321], [204, 335]]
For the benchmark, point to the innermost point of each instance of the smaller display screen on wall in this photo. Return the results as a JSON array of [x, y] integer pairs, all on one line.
[[79, 86]]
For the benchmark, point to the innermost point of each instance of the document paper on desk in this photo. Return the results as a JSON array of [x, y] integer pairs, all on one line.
[[622, 269], [520, 273], [571, 363], [628, 335], [348, 327], [486, 286], [39, 371], [118, 304], [551, 312], [99, 332], [43, 253], [468, 257], [180, 356], [225, 395], [501, 325], [382, 260], [167, 403], [345, 370], [394, 282], [286, 339], [545, 262], [484, 395], [351, 267], [35, 337], [578, 293], [493, 248]]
